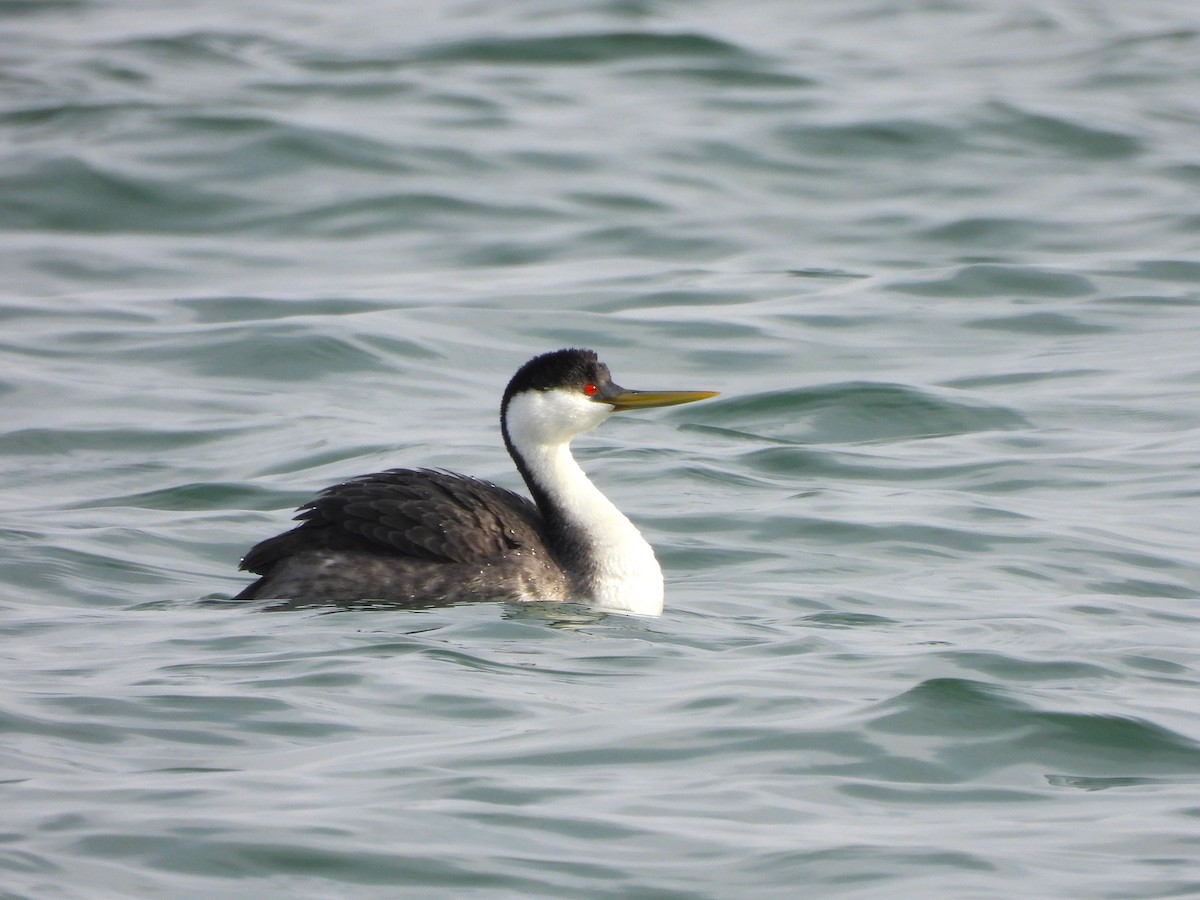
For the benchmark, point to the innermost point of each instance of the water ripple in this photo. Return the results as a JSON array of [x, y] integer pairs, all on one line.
[[930, 558]]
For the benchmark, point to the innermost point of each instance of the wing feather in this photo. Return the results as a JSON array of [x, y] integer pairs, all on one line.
[[423, 513]]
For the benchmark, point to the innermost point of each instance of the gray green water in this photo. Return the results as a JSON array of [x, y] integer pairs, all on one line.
[[932, 557]]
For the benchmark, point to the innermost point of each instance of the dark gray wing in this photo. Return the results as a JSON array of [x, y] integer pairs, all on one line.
[[422, 513]]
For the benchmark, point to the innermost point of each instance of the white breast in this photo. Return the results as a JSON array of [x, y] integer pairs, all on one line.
[[625, 576]]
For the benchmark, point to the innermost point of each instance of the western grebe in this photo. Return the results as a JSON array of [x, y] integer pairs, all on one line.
[[419, 537]]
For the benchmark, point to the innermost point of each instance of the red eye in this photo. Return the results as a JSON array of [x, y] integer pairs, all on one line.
[[590, 389]]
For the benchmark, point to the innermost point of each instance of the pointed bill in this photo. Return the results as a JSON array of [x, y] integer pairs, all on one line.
[[624, 399]]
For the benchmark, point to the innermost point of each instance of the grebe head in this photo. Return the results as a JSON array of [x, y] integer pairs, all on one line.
[[561, 394]]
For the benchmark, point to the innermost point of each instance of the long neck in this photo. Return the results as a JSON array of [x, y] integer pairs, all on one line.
[[595, 543]]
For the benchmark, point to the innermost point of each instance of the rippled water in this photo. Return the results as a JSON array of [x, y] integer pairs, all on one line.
[[931, 558]]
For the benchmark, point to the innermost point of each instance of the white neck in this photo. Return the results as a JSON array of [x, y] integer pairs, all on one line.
[[624, 575]]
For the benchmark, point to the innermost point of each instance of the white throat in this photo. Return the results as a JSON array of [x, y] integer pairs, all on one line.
[[624, 575]]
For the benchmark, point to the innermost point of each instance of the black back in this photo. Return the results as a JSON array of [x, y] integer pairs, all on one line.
[[423, 513]]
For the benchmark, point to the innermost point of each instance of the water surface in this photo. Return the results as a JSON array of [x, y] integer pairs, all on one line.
[[931, 557]]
